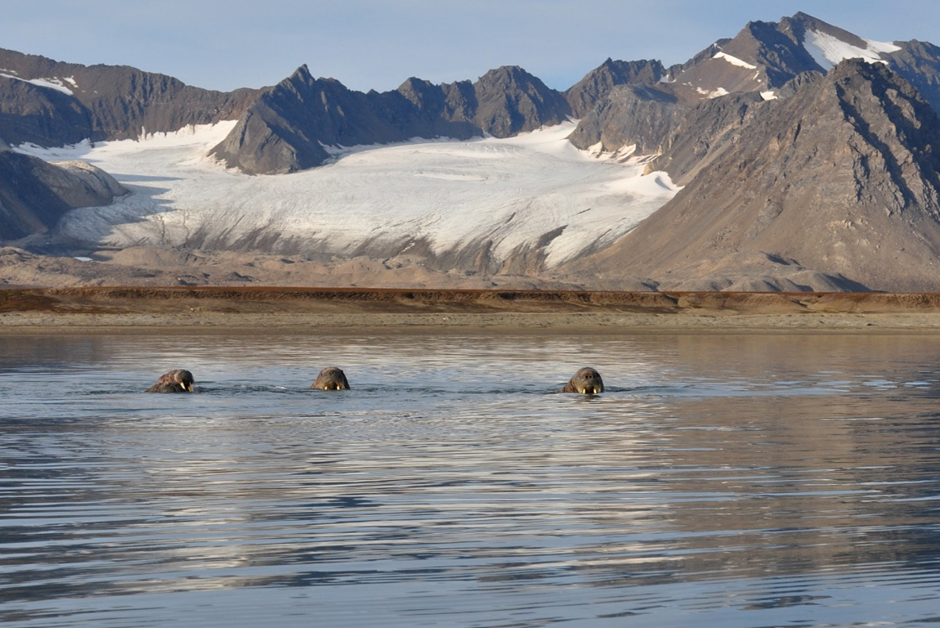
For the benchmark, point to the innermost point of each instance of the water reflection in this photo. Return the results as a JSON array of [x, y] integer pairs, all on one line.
[[739, 480]]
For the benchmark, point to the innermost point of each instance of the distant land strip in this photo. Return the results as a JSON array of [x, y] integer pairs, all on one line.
[[292, 300]]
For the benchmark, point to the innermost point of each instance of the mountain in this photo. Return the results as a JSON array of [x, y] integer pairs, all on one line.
[[51, 103], [833, 186], [510, 101], [805, 155], [699, 135], [760, 59], [289, 126]]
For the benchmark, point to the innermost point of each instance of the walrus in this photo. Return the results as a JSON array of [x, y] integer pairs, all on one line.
[[331, 378], [176, 381], [586, 381]]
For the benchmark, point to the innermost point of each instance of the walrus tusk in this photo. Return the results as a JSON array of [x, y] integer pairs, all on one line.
[[586, 381], [331, 378], [176, 381]]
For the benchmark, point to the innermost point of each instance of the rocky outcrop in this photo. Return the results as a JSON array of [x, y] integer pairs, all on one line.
[[445, 110], [35, 194], [919, 63], [840, 179], [700, 134], [594, 88], [510, 101], [634, 116]]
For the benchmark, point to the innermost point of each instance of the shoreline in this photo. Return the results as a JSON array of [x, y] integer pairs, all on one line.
[[116, 310]]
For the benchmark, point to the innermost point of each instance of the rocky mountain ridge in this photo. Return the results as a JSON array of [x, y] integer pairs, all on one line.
[[53, 103], [288, 127]]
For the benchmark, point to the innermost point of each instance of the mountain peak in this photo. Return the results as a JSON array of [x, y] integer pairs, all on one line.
[[598, 83], [506, 75], [303, 73], [512, 101]]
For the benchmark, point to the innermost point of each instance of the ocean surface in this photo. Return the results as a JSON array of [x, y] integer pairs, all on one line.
[[721, 480]]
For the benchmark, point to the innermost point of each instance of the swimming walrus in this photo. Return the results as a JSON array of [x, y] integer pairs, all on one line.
[[176, 381], [331, 378], [586, 381]]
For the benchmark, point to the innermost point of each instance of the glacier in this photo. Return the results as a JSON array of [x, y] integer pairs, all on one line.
[[533, 191]]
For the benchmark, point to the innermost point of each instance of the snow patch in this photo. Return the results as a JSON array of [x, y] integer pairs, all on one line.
[[450, 194], [735, 61], [828, 51], [52, 83], [882, 46], [716, 93], [620, 155], [450, 176], [769, 95]]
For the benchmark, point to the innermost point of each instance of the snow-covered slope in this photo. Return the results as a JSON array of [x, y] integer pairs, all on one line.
[[52, 83], [531, 192], [828, 50]]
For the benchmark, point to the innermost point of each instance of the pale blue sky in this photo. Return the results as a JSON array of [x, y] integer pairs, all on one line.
[[377, 44]]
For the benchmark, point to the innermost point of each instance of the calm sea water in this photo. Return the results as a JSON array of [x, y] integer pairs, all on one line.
[[727, 481]]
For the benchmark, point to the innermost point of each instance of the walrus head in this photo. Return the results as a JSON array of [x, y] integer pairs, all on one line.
[[331, 378], [586, 381], [176, 381]]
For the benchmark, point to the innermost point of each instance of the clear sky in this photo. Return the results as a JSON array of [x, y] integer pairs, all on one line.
[[377, 44]]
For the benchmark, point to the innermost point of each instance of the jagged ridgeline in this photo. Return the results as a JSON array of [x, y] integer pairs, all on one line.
[[286, 128], [806, 154]]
